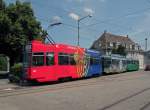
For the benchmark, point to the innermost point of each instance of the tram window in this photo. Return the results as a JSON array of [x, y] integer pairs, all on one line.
[[129, 62], [38, 59], [96, 61], [63, 59], [107, 62], [50, 59], [124, 62], [91, 61], [134, 62], [115, 61], [72, 60], [137, 62]]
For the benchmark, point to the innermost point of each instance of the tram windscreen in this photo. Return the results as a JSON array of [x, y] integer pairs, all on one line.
[[37, 59]]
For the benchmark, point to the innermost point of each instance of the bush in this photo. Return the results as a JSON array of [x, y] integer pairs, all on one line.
[[16, 70], [3, 64]]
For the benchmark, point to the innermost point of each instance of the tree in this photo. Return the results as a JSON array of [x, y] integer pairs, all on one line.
[[114, 51], [2, 5], [120, 50], [18, 26]]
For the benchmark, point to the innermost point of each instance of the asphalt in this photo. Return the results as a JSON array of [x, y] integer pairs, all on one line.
[[127, 91]]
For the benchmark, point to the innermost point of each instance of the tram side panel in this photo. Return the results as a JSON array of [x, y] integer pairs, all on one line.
[[95, 63]]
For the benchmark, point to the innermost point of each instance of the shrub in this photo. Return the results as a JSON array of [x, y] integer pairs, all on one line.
[[3, 64], [16, 70]]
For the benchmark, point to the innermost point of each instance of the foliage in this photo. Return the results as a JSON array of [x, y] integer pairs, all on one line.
[[120, 50], [18, 26], [2, 5], [3, 63], [16, 70]]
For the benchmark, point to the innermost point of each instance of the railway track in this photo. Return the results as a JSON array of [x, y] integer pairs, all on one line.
[[127, 98]]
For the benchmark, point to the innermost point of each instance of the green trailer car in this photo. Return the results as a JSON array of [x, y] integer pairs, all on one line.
[[132, 65]]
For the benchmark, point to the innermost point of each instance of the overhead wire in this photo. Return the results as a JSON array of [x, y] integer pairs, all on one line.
[[119, 17], [66, 12]]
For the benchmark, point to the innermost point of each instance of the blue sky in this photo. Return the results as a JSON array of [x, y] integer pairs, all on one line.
[[121, 17]]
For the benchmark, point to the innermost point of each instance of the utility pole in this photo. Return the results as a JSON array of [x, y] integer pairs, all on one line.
[[78, 32], [145, 44]]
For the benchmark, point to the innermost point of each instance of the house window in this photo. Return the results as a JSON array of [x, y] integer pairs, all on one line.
[[125, 45], [130, 47], [133, 47], [108, 44], [111, 44], [118, 43], [99, 44]]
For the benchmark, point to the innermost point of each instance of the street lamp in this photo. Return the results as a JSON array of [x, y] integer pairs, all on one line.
[[79, 26], [48, 36], [54, 24]]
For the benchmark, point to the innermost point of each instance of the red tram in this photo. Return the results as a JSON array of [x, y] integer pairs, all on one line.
[[47, 62]]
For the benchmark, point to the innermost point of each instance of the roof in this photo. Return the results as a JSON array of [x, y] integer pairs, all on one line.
[[108, 37]]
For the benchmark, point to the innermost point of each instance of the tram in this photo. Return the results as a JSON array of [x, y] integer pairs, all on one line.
[[52, 62], [114, 64], [132, 65]]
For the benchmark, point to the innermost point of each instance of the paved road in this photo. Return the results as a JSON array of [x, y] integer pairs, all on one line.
[[127, 91]]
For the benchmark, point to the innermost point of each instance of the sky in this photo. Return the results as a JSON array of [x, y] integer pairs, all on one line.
[[120, 17]]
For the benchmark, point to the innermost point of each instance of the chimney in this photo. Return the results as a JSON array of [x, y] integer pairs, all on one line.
[[127, 36]]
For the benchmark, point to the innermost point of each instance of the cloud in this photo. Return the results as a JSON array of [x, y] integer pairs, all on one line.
[[74, 16], [88, 11], [56, 19]]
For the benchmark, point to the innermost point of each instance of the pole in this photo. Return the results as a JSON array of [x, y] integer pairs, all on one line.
[[79, 27], [145, 44], [78, 32]]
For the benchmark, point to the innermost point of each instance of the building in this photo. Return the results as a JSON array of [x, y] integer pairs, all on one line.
[[107, 42], [147, 58]]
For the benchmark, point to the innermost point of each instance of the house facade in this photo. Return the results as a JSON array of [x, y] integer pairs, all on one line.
[[147, 58], [107, 42]]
